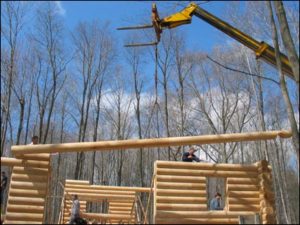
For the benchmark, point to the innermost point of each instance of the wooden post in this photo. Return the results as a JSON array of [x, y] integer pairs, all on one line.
[[267, 202]]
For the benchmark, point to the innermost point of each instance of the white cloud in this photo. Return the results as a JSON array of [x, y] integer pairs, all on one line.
[[59, 8]]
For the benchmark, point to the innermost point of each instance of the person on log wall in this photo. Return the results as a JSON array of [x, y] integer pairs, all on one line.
[[34, 140], [190, 156], [215, 203], [75, 211]]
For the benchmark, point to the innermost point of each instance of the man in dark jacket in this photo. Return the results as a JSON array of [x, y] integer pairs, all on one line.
[[190, 156], [3, 185]]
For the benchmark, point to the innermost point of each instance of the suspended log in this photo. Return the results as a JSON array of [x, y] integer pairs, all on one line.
[[184, 172], [206, 166], [147, 143], [19, 162]]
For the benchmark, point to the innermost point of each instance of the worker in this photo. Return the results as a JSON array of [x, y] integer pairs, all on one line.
[[75, 211], [215, 203], [3, 185], [190, 156], [34, 140]]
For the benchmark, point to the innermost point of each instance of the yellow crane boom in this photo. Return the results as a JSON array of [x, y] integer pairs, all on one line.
[[261, 49]]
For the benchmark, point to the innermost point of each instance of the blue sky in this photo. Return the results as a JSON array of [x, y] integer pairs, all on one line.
[[130, 13]]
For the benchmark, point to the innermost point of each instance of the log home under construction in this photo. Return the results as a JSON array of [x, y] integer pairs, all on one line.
[[178, 190]]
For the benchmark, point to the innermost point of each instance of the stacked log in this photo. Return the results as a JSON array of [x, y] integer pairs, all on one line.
[[28, 189]]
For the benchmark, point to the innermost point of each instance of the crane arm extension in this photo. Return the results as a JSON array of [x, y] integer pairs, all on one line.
[[261, 49]]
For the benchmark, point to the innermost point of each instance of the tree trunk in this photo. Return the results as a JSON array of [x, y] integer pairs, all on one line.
[[287, 39], [283, 86], [22, 107]]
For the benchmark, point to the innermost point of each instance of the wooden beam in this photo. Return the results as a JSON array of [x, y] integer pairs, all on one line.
[[5, 161], [206, 166], [106, 216], [112, 188], [186, 172], [147, 143]]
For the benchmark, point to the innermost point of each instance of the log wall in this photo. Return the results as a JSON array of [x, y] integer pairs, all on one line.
[[28, 189]]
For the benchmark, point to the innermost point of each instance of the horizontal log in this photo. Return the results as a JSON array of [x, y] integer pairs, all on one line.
[[202, 214], [29, 170], [181, 200], [191, 193], [76, 182], [25, 208], [21, 222], [183, 179], [120, 204], [34, 156], [27, 193], [88, 197], [105, 216], [120, 192], [242, 187], [24, 216], [26, 201], [196, 221], [244, 180], [19, 162], [147, 143], [243, 194], [206, 166], [29, 185], [243, 200], [121, 212], [205, 173], [115, 188], [242, 207], [29, 177], [180, 207], [186, 186], [120, 208]]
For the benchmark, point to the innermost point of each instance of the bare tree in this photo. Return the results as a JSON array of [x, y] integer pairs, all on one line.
[[48, 38], [283, 86], [287, 40], [12, 22], [94, 52]]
